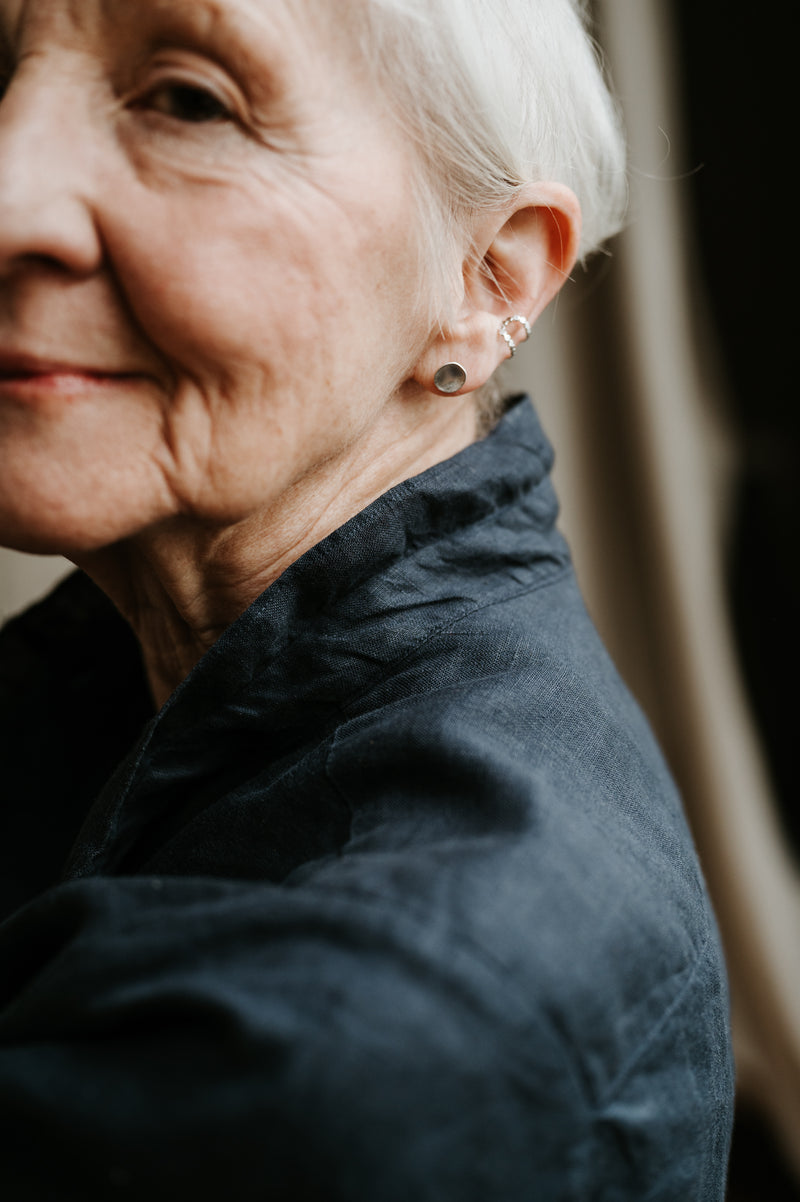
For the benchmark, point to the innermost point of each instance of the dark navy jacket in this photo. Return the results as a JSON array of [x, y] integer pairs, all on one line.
[[394, 901]]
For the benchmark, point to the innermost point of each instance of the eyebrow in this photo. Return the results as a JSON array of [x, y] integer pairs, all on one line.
[[211, 26]]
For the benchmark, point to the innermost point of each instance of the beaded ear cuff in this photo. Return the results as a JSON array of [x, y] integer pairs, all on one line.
[[503, 333]]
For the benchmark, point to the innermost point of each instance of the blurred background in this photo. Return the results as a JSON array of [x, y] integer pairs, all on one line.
[[661, 376]]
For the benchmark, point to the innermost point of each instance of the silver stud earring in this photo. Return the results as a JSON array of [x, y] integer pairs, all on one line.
[[450, 378], [504, 334]]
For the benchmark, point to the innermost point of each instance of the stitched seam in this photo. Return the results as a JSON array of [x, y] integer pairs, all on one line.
[[391, 666], [646, 1043]]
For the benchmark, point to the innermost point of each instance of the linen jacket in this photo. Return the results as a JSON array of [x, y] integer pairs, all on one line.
[[394, 899]]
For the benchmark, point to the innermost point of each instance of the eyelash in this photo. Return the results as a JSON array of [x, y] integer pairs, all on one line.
[[199, 105], [179, 100]]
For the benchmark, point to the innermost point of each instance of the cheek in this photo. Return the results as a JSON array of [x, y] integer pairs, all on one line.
[[280, 320], [286, 279]]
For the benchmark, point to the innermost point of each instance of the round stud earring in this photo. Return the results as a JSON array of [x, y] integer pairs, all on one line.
[[450, 378]]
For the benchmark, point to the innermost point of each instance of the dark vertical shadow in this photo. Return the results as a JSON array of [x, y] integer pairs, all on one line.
[[757, 1172], [739, 128]]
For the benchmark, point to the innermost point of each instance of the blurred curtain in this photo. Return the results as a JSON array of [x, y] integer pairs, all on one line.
[[23, 578], [678, 515]]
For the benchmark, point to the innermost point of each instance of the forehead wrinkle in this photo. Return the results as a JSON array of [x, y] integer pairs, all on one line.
[[200, 15], [69, 18]]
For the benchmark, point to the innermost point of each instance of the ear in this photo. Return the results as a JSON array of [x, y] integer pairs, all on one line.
[[523, 255]]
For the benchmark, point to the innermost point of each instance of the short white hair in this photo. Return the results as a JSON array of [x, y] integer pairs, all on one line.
[[497, 94]]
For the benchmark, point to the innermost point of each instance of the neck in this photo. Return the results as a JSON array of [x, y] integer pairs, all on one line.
[[180, 585]]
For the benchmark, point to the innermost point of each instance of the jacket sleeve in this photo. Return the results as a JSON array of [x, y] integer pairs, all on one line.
[[191, 1038]]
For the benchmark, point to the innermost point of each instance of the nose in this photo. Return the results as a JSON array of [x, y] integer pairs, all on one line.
[[46, 148]]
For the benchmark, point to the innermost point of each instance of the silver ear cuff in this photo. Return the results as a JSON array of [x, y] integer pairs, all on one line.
[[503, 333]]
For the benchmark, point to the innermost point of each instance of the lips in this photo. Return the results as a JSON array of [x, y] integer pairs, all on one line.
[[29, 377], [14, 366]]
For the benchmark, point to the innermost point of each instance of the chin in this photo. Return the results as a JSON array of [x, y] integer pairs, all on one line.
[[51, 506], [53, 529], [33, 540]]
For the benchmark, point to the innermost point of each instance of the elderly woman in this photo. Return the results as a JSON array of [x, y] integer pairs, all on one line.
[[338, 862]]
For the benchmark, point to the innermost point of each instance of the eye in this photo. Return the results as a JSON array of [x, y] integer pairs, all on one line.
[[186, 102]]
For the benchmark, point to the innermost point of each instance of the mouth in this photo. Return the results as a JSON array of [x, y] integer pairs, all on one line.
[[32, 374]]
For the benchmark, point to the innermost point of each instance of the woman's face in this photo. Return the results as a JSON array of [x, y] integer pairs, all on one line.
[[206, 272]]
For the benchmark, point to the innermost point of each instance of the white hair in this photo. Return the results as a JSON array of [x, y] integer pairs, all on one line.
[[497, 94]]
